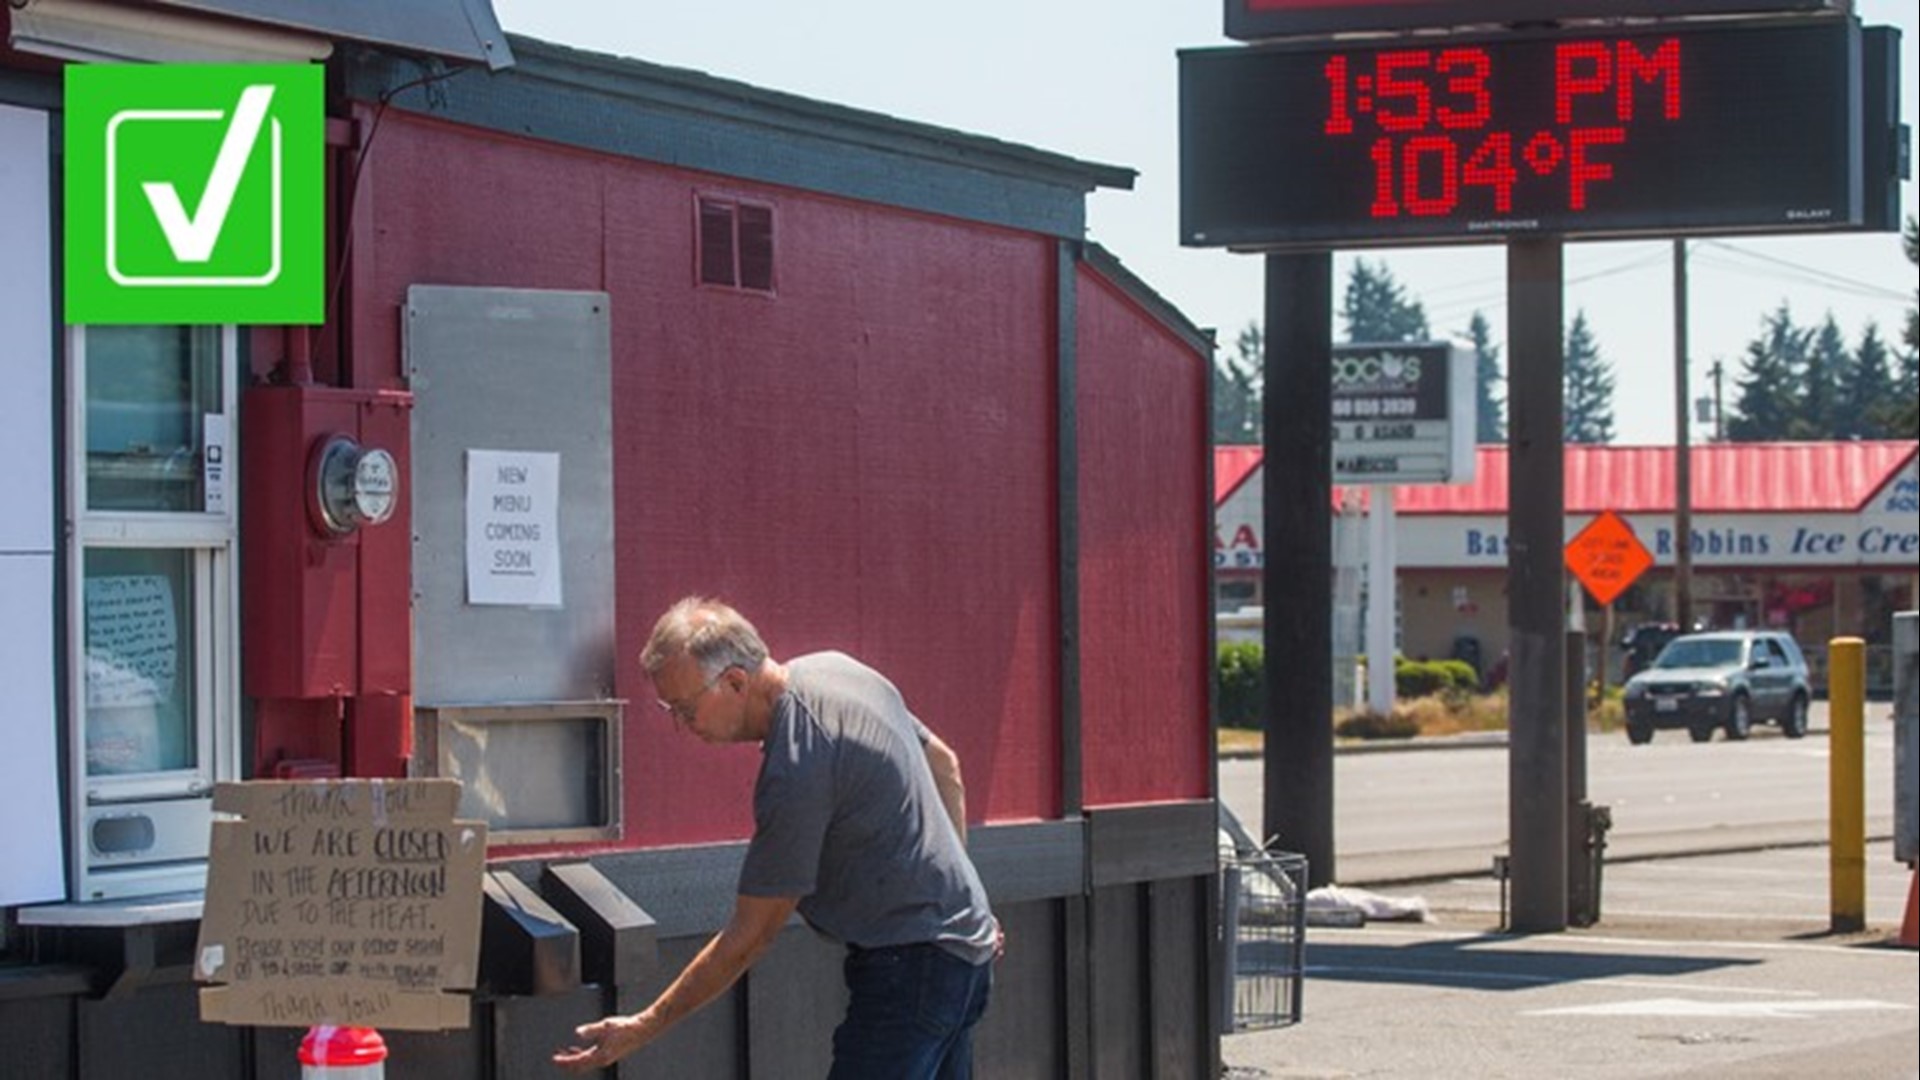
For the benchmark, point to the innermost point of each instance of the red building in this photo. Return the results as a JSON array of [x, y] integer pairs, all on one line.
[[861, 377]]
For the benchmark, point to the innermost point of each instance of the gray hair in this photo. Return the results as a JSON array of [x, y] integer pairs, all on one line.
[[713, 634]]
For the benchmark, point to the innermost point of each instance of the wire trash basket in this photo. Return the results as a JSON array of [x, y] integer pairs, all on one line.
[[1263, 924]]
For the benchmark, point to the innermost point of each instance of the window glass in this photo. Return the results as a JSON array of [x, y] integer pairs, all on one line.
[[149, 390], [140, 661]]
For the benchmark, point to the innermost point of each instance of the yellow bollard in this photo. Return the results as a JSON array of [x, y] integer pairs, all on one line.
[[1846, 783]]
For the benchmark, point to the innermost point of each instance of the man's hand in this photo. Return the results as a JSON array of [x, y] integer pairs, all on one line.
[[605, 1042], [756, 922]]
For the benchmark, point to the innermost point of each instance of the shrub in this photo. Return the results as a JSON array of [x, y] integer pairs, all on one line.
[[1373, 725], [1241, 680], [1425, 678]]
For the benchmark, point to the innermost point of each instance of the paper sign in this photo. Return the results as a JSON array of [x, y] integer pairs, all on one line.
[[346, 902], [513, 528], [132, 643]]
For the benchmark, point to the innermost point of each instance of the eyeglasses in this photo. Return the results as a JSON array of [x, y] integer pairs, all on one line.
[[689, 710]]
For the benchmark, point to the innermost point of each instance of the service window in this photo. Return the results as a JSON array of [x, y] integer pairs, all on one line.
[[154, 684]]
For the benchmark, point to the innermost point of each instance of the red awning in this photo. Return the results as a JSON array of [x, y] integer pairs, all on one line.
[[1728, 478]]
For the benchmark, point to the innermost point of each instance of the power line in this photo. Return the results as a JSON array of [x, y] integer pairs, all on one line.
[[1813, 274]]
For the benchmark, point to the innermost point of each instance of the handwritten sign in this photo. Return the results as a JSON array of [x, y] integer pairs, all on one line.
[[513, 528], [1607, 557], [351, 902], [132, 645]]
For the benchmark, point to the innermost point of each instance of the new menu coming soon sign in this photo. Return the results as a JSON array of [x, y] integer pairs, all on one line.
[[349, 902]]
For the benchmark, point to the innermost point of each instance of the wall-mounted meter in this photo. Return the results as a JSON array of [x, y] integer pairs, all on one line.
[[352, 486]]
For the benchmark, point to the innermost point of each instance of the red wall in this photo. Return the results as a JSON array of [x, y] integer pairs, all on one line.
[[1144, 549], [864, 462]]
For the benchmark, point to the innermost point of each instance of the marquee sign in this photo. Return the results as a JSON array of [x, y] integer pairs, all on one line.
[[1689, 128], [1402, 414]]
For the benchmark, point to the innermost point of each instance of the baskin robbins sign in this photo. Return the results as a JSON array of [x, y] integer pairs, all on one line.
[[194, 194]]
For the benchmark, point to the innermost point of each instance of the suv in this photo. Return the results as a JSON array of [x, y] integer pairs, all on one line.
[[1720, 680]]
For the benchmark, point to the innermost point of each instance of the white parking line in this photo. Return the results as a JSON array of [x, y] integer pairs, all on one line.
[[1749, 1010]]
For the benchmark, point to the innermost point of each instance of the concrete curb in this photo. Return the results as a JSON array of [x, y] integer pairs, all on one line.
[[1401, 868], [1472, 740]]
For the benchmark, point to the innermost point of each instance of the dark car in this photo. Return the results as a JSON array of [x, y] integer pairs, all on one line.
[[1729, 680], [1642, 643]]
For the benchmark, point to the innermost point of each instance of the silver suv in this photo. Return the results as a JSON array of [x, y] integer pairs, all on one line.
[[1727, 680]]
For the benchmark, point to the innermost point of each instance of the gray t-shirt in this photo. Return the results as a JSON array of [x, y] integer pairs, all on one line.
[[847, 817]]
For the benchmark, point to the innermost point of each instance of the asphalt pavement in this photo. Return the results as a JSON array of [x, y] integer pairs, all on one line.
[[1714, 957]]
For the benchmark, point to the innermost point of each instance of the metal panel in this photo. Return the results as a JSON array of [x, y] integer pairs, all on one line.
[[1149, 843], [1906, 736], [513, 370], [1022, 1037], [155, 1034], [1176, 946], [1116, 974], [790, 1031]]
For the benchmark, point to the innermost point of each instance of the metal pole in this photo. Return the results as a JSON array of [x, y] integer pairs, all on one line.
[[1682, 450], [1846, 783], [1719, 412], [1297, 486], [1536, 518], [1381, 568], [1580, 892]]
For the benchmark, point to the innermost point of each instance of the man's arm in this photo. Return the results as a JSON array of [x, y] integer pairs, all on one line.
[[756, 922], [946, 777]]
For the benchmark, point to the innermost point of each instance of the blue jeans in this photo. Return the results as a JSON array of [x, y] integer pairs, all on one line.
[[910, 1014]]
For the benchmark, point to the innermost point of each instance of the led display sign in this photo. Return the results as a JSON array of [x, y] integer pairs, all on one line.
[[1696, 128], [1247, 20]]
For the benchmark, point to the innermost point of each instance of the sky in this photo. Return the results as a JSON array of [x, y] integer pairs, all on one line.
[[1098, 81]]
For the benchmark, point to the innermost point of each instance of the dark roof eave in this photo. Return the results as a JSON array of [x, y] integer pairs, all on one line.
[[692, 90]]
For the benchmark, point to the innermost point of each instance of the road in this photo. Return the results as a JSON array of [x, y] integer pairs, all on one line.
[[1412, 815], [1703, 967]]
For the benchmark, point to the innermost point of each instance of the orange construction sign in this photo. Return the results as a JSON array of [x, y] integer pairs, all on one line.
[[1607, 557]]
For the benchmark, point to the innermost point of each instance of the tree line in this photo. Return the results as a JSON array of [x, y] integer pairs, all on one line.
[[1793, 383]]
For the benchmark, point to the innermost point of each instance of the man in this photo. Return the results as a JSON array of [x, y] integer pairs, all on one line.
[[859, 823]]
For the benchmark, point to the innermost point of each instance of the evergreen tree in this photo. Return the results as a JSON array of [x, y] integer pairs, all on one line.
[[1589, 387], [1863, 399], [1491, 419], [1770, 389], [1237, 381], [1827, 363], [1376, 308], [1904, 417]]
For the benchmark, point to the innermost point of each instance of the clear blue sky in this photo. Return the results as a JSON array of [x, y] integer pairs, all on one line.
[[1096, 80]]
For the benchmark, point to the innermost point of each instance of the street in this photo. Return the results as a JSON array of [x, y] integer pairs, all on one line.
[[1414, 815], [1704, 966]]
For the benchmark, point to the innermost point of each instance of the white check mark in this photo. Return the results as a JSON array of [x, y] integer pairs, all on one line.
[[192, 238]]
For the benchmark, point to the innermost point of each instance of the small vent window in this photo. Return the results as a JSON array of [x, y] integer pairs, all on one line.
[[736, 244]]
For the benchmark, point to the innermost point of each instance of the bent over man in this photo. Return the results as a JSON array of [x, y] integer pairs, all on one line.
[[859, 823]]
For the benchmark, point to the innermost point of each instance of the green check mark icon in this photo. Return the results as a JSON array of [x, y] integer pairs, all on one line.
[[192, 237]]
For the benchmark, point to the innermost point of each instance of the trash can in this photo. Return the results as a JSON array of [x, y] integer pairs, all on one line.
[[1263, 924]]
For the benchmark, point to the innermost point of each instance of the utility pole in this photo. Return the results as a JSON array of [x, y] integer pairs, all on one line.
[[1682, 451], [1719, 411]]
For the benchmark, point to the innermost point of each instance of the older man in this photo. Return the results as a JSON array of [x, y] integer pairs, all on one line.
[[859, 824]]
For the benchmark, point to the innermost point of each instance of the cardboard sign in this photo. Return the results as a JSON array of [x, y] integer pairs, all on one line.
[[348, 902], [1607, 557]]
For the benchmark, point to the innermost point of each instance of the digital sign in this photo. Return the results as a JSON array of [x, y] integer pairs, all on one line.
[[1247, 20], [1687, 129]]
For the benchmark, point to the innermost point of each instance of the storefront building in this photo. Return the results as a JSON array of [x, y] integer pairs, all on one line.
[[1818, 539], [863, 378]]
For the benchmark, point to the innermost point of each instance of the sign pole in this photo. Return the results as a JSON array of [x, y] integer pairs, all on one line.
[[1297, 489], [1536, 496], [1381, 568]]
